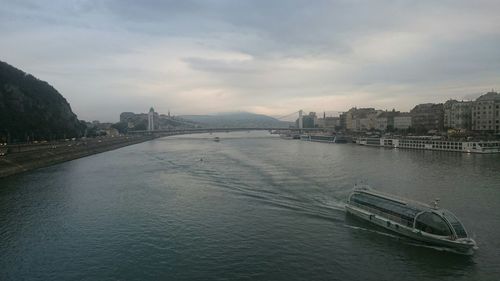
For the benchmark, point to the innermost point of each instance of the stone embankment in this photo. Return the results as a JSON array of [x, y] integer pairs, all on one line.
[[22, 158]]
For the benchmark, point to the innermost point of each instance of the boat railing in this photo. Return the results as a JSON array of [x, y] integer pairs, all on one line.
[[384, 214]]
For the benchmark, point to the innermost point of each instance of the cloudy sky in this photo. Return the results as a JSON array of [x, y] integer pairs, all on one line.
[[271, 57]]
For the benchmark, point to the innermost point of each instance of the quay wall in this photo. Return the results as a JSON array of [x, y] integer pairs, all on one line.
[[29, 159]]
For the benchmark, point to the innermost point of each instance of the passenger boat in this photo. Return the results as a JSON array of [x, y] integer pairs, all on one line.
[[429, 143], [415, 220], [318, 137]]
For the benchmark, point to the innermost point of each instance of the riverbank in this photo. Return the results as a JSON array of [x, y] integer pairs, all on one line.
[[54, 153]]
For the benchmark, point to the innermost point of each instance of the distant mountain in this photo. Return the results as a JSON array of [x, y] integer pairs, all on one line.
[[31, 109], [237, 120]]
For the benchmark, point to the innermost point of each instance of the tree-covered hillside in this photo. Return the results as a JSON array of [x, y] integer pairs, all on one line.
[[31, 109]]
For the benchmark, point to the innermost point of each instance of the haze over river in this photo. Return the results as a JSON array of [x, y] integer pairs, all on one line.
[[252, 206]]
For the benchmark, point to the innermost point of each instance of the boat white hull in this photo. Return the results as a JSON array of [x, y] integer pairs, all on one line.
[[460, 245]]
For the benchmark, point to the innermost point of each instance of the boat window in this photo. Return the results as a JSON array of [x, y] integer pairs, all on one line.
[[433, 224], [455, 223], [387, 206]]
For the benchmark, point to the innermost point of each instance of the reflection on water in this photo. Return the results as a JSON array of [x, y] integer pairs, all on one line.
[[252, 206]]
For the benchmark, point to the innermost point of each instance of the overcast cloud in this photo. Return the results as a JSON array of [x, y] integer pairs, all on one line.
[[270, 57]]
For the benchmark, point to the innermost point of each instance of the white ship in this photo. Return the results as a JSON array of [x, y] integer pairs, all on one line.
[[412, 219], [428, 143]]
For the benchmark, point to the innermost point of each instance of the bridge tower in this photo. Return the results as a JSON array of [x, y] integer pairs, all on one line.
[[151, 119], [301, 124]]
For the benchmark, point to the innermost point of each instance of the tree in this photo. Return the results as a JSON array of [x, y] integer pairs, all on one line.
[[122, 127]]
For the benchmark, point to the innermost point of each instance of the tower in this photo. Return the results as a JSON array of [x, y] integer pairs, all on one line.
[[151, 119], [301, 124]]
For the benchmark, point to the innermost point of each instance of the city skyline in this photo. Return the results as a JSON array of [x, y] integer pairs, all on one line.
[[199, 57]]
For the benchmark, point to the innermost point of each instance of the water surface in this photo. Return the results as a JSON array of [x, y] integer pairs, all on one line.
[[252, 206]]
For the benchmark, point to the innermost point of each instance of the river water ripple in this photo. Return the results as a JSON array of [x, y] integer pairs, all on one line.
[[250, 207]]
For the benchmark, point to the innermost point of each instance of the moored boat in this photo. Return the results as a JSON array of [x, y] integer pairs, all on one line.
[[431, 143], [415, 220], [330, 138], [340, 139], [290, 136]]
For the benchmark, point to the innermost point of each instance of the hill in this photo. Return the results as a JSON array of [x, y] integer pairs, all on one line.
[[31, 109], [237, 120]]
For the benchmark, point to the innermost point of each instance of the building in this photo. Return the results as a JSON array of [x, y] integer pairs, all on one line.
[[332, 122], [385, 120], [349, 119], [447, 117], [328, 122], [382, 123], [361, 119], [368, 121], [342, 121], [310, 120], [457, 115], [402, 121], [427, 116], [299, 123], [306, 121], [486, 113], [364, 124]]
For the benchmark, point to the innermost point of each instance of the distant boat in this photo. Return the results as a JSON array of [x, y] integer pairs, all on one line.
[[415, 220], [216, 139], [323, 138]]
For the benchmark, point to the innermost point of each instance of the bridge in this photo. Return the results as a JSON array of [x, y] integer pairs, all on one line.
[[199, 130], [183, 131]]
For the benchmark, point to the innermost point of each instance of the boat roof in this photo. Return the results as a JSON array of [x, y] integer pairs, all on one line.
[[412, 207]]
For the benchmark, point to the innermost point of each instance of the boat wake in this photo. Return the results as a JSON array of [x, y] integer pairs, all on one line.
[[270, 183]]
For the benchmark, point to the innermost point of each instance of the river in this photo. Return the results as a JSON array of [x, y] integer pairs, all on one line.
[[250, 207]]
